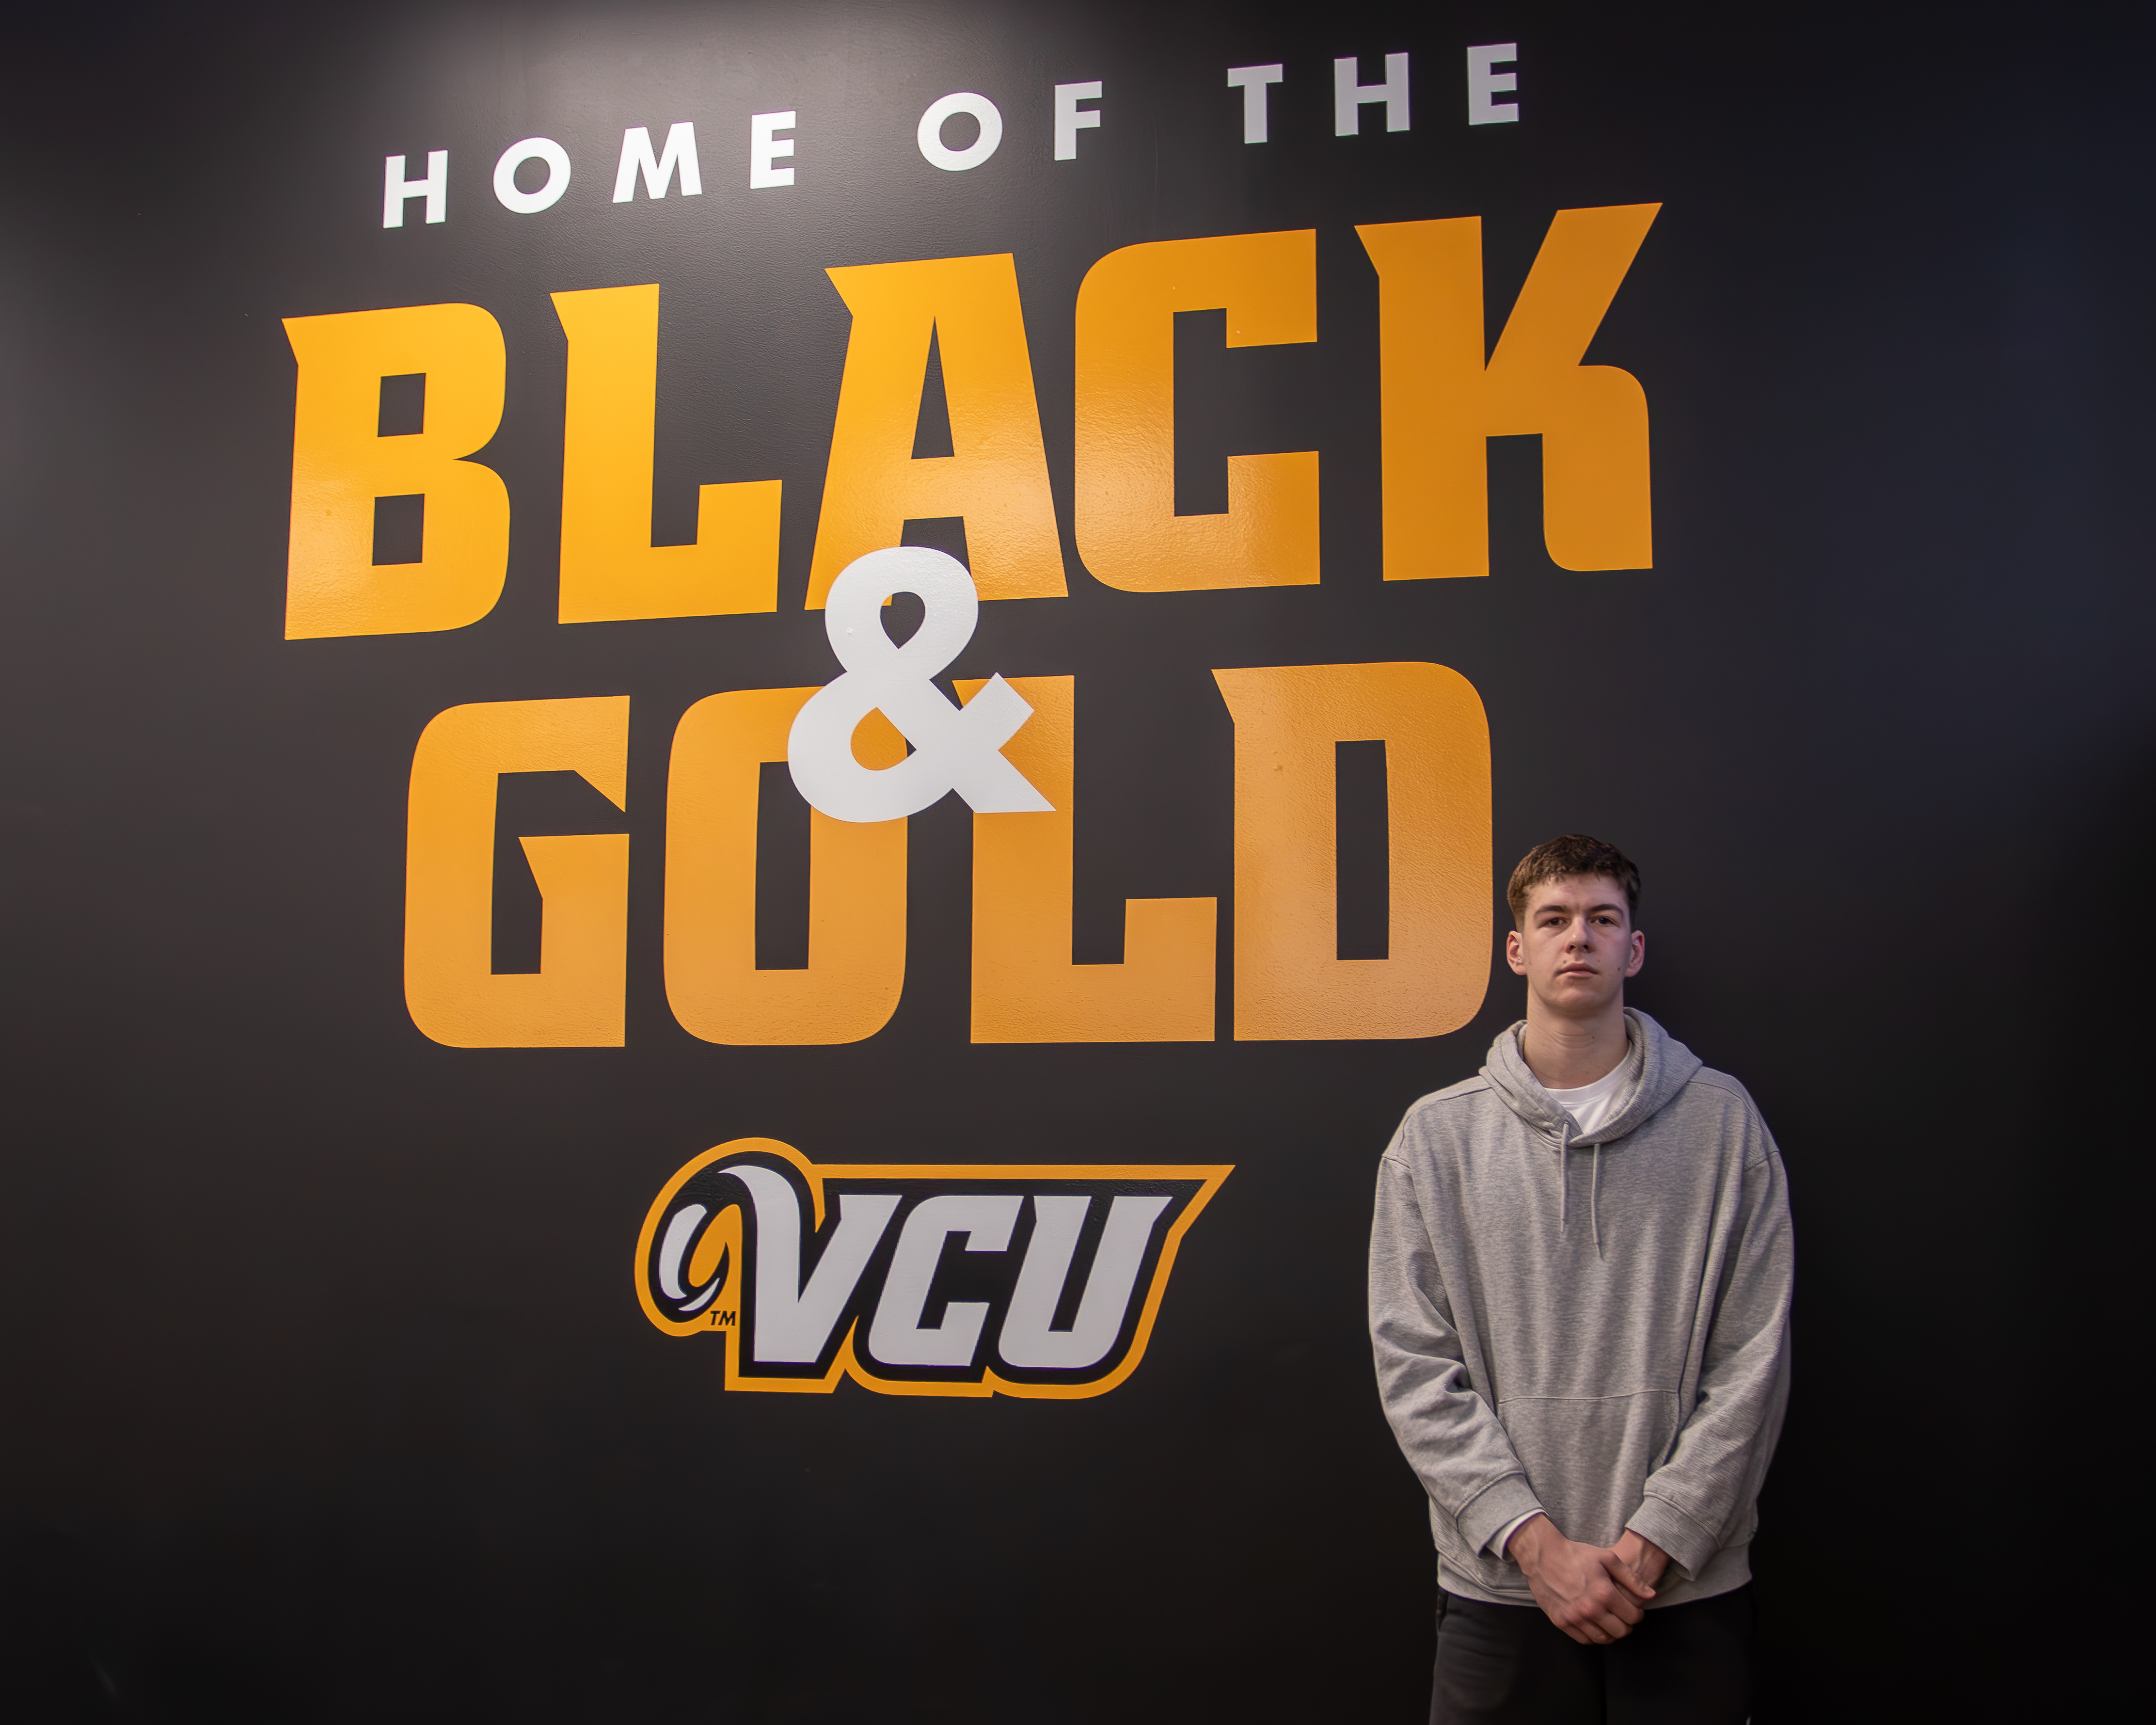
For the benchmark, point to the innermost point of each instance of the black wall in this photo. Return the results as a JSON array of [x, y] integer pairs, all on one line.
[[325, 1395]]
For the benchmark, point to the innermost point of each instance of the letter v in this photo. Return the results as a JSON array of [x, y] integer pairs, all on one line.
[[791, 1322]]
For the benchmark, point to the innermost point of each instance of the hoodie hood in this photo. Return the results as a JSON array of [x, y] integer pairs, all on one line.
[[1657, 1067]]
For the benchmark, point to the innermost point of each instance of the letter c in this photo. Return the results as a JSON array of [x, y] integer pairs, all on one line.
[[896, 1338]]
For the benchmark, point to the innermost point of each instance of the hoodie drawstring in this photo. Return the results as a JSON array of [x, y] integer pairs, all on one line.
[[1594, 1200], [1563, 1182], [1564, 1191]]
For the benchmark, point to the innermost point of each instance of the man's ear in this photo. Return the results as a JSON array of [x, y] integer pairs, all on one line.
[[1639, 952], [1513, 955]]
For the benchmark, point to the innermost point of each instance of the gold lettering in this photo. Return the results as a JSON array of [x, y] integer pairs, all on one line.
[[610, 569], [1291, 985], [1129, 534], [1025, 987], [996, 478], [576, 998], [340, 466], [1440, 402], [856, 887]]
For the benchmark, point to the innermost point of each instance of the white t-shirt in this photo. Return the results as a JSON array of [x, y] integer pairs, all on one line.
[[1591, 1104]]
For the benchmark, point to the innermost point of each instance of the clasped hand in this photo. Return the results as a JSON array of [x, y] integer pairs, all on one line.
[[1593, 1594]]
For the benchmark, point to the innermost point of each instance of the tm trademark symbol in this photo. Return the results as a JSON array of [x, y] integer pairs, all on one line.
[[722, 1320]]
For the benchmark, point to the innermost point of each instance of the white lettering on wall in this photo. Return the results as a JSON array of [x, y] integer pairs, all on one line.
[[766, 147], [929, 133], [396, 188], [1070, 119], [1254, 81], [1483, 83], [1348, 96], [530, 204], [681, 152]]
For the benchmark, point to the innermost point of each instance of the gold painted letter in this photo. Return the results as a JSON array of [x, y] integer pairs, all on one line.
[[1129, 535], [610, 569], [1291, 982], [1439, 402], [996, 475], [1025, 987], [856, 887], [341, 465], [576, 998]]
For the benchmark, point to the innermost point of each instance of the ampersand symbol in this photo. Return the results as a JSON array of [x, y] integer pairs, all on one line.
[[954, 748]]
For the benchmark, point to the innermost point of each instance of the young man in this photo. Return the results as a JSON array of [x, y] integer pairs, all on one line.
[[1579, 1295]]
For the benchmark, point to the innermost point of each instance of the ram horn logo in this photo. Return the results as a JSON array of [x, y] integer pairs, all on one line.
[[915, 1280]]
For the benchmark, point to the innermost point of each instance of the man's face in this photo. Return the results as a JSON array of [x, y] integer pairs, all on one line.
[[1578, 946]]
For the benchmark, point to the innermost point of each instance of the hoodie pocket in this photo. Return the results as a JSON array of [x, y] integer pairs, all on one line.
[[1589, 1456]]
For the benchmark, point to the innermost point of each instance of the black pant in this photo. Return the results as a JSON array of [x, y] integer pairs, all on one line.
[[1509, 1665]]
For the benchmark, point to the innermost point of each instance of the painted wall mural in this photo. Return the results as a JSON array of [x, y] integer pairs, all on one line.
[[756, 745]]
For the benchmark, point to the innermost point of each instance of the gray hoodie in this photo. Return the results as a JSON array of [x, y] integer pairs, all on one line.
[[1594, 1326]]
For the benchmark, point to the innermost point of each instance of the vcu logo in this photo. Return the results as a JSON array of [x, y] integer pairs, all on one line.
[[929, 1280]]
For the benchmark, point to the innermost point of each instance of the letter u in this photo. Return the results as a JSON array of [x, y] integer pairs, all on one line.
[[1027, 1341]]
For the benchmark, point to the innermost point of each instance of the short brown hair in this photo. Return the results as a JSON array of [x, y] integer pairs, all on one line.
[[1568, 858]]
